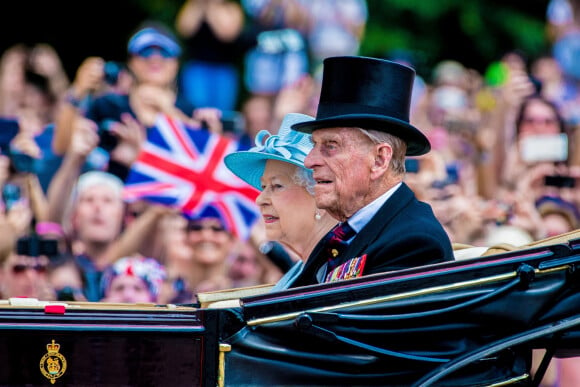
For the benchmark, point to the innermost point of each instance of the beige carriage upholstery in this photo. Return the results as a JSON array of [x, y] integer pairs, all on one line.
[[230, 297], [463, 251]]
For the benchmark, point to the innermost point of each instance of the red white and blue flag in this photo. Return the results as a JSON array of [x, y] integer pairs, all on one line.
[[183, 167]]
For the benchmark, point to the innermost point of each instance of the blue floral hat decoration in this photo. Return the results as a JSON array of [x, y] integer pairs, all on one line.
[[288, 145]]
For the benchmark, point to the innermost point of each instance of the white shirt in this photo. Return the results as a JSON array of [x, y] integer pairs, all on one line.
[[360, 219]]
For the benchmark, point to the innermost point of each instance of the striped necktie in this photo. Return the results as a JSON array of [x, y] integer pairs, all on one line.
[[336, 243]]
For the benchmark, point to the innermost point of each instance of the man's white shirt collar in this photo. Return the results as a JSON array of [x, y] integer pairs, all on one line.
[[362, 216]]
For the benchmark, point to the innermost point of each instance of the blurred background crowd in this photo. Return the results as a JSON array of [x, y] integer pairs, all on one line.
[[503, 167]]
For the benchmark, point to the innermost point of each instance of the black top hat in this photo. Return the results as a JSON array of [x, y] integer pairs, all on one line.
[[368, 93]]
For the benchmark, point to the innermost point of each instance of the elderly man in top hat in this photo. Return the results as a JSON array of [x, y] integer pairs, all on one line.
[[361, 136]]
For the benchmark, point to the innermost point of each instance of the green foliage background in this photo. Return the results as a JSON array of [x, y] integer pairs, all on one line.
[[474, 32]]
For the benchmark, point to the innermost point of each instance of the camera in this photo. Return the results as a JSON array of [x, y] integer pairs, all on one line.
[[22, 162], [112, 70], [559, 181], [9, 128], [107, 140], [232, 122], [69, 293], [10, 195], [33, 246]]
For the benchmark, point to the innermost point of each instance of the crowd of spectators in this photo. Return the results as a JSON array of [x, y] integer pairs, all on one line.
[[503, 166]]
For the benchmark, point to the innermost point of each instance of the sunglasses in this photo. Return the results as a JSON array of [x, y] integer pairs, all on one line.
[[200, 227], [539, 120], [150, 51], [20, 268]]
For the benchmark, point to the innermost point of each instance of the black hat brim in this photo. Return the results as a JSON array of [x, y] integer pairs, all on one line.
[[417, 143]]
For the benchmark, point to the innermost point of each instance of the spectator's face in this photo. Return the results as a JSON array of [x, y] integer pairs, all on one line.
[[556, 224], [23, 276], [128, 288], [174, 237], [98, 214], [245, 269], [538, 119], [258, 114], [155, 68], [66, 275], [341, 159], [287, 208], [211, 243]]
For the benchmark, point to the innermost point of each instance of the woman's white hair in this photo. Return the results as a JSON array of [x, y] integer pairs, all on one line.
[[303, 177]]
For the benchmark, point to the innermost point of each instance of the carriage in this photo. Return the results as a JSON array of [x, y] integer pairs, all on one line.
[[463, 323]]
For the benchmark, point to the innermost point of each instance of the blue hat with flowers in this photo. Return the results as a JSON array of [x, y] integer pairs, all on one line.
[[288, 145]]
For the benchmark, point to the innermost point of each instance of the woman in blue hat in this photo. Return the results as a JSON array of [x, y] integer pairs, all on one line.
[[275, 166]]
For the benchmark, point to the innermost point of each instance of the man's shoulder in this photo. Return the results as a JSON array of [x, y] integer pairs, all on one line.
[[413, 221], [85, 263]]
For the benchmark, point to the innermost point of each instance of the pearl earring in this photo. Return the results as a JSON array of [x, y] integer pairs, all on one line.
[[317, 215]]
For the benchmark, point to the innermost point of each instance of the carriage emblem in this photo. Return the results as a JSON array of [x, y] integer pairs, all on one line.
[[53, 363]]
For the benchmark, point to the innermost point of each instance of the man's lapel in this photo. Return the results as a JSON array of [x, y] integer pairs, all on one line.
[[380, 221]]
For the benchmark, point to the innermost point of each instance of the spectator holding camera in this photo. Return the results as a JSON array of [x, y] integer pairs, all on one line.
[[22, 273], [535, 165], [122, 119], [32, 86], [541, 137], [89, 207], [23, 197], [95, 217], [210, 30], [31, 77]]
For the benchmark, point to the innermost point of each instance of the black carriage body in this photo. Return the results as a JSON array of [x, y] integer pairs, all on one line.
[[464, 323], [107, 345]]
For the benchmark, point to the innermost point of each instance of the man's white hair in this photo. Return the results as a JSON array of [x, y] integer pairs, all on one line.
[[399, 147], [85, 182], [99, 178]]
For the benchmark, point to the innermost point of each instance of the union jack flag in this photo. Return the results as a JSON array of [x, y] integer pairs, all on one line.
[[183, 167]]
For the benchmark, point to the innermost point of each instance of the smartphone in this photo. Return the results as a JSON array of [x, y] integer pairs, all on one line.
[[460, 126], [23, 162], [232, 122], [10, 195], [560, 181], [8, 130], [112, 70], [107, 140], [544, 148], [412, 165]]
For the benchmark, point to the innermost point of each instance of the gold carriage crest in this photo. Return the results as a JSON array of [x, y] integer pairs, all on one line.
[[53, 363]]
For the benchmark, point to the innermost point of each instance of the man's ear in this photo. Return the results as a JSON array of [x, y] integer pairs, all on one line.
[[382, 159]]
